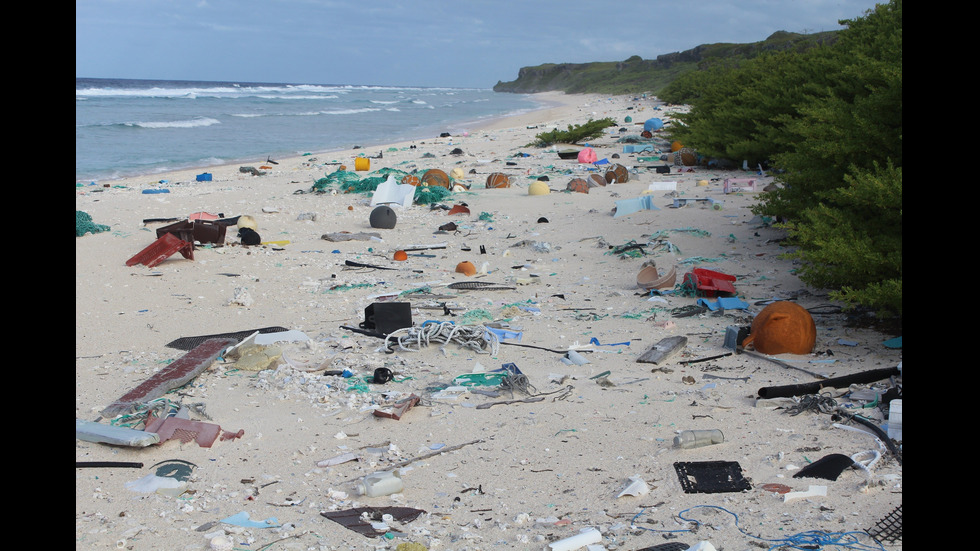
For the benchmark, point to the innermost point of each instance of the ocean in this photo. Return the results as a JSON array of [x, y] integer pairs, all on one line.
[[140, 127]]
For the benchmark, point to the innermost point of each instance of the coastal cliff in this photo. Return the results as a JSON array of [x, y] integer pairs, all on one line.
[[635, 75]]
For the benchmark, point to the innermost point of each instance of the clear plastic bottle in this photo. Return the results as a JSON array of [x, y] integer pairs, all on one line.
[[688, 439], [381, 483]]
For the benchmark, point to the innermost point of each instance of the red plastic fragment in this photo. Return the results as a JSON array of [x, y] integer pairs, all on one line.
[[161, 249], [184, 430], [399, 409]]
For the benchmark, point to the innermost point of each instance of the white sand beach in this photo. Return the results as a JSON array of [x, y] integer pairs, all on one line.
[[509, 470]]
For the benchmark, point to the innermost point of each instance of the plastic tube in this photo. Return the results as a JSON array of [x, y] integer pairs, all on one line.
[[838, 382], [586, 537]]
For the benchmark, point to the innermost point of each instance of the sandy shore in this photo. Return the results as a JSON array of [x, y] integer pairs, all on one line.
[[520, 474]]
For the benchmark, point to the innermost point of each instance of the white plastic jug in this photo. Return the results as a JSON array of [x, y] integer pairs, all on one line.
[[381, 483]]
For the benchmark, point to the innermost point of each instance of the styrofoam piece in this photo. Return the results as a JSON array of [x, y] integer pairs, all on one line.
[[662, 186], [814, 491], [637, 487], [702, 546], [583, 538], [263, 339]]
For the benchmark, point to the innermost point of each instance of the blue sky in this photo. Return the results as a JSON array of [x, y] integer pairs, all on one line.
[[461, 43]]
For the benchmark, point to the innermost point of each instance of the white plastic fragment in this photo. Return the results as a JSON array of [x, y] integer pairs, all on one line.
[[814, 491], [702, 546], [637, 487]]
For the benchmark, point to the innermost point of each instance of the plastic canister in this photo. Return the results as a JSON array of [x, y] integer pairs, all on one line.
[[362, 164], [895, 419], [688, 439], [381, 483]]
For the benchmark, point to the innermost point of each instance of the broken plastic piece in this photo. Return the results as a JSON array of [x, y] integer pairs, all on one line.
[[175, 375], [162, 249], [242, 519], [89, 431], [186, 430], [725, 303], [390, 191], [637, 487], [814, 491], [352, 519], [399, 409], [828, 467]]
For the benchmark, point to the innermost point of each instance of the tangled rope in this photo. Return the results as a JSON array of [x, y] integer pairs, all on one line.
[[822, 403], [812, 539], [475, 337]]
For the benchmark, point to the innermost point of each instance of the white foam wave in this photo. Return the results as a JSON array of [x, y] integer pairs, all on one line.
[[192, 123]]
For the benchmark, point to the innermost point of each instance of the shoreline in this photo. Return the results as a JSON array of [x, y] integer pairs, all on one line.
[[551, 103]]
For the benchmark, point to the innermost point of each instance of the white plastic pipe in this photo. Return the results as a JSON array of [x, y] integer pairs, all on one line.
[[586, 537]]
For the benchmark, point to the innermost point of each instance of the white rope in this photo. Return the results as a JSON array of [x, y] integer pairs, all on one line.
[[475, 337]]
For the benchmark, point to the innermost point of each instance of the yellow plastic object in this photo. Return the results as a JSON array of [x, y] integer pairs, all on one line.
[[538, 187], [246, 221], [362, 164]]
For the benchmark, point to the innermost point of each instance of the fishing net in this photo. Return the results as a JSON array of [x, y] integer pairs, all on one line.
[[84, 224], [427, 195]]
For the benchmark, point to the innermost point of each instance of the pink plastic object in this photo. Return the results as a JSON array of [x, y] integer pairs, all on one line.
[[587, 155]]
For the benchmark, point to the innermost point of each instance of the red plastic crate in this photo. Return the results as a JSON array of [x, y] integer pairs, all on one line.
[[161, 249]]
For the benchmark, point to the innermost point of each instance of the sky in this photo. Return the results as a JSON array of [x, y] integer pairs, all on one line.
[[431, 43]]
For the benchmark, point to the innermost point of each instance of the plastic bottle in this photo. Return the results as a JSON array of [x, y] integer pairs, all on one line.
[[688, 439], [381, 483]]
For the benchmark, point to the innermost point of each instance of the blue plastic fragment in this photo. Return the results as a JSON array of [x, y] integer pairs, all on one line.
[[242, 519]]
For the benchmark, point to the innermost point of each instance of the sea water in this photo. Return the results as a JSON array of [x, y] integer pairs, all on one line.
[[138, 127]]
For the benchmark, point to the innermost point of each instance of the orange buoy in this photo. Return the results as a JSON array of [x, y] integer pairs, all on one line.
[[497, 180], [617, 174], [466, 267], [411, 180], [578, 185], [401, 256], [435, 177], [783, 327], [676, 146]]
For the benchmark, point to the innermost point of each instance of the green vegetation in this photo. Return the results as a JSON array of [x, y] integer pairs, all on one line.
[[637, 75], [575, 133], [829, 120]]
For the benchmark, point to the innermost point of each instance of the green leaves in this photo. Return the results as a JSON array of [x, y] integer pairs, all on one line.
[[575, 132], [830, 118]]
